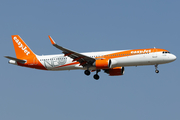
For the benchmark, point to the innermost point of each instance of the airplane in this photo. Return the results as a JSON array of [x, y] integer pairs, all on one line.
[[111, 62]]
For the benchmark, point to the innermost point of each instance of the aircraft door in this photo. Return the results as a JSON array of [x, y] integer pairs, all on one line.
[[154, 53]]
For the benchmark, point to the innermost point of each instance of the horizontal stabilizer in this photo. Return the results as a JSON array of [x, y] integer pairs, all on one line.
[[17, 60]]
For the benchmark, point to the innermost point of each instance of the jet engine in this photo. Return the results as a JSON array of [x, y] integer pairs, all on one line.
[[104, 63]]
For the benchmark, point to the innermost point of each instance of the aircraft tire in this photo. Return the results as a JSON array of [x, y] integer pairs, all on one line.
[[157, 71], [87, 72], [96, 77]]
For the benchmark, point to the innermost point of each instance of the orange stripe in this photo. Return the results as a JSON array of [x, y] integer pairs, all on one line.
[[131, 53], [83, 63], [68, 64]]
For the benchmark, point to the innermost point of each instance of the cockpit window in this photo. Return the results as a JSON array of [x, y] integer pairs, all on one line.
[[165, 52]]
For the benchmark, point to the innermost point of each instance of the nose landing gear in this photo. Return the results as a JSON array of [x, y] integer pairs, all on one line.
[[156, 66], [157, 71]]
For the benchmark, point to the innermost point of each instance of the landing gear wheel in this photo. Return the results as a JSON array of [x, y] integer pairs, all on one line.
[[156, 66], [87, 72], [157, 71], [96, 76]]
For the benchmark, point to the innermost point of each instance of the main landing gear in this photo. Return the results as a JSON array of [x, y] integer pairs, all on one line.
[[96, 76], [156, 66], [87, 72]]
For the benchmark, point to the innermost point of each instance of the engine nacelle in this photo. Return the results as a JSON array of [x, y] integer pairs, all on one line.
[[115, 71], [104, 63]]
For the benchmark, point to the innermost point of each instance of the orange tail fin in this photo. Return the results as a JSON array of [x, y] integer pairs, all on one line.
[[21, 49]]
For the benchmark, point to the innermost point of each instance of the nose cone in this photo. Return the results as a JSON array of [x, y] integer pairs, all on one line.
[[173, 57]]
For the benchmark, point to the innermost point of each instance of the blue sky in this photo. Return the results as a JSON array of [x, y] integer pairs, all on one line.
[[86, 26]]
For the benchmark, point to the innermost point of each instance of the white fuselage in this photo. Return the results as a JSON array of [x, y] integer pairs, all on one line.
[[61, 62], [111, 62]]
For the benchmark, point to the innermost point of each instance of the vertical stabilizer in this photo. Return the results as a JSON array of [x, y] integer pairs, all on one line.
[[21, 49]]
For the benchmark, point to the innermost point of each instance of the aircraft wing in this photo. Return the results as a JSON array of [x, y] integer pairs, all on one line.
[[82, 59]]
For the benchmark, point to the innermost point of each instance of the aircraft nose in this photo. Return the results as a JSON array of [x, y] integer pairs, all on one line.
[[173, 57]]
